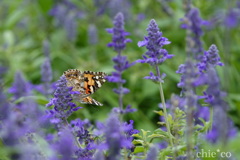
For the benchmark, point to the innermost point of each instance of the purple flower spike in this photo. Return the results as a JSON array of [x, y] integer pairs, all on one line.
[[46, 71], [193, 23], [62, 101], [154, 43], [118, 135], [120, 62], [152, 153], [20, 87], [118, 40], [210, 58]]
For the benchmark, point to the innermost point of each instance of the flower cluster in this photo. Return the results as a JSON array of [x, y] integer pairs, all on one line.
[[121, 63], [154, 42], [193, 23], [62, 101]]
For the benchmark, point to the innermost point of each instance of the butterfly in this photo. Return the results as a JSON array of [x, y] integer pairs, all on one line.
[[86, 82]]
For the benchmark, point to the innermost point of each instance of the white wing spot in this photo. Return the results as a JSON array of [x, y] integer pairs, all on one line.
[[98, 84]]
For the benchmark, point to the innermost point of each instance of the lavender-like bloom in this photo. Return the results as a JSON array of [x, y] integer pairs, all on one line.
[[155, 56], [46, 72], [193, 23], [231, 19], [213, 94], [128, 109], [66, 14], [118, 40], [65, 145], [154, 43], [121, 63], [62, 101], [20, 87], [115, 138], [152, 153], [79, 128], [210, 58]]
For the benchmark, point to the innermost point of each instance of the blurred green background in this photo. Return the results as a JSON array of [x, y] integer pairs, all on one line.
[[26, 25]]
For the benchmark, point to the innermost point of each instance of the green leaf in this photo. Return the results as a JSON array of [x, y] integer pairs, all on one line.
[[137, 141], [156, 136], [144, 133], [137, 136], [14, 18], [138, 149]]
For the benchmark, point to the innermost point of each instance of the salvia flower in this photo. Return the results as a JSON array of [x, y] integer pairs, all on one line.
[[65, 146], [155, 78], [152, 153], [118, 40], [210, 58], [154, 43], [79, 128], [46, 72], [231, 19], [62, 101], [193, 22], [128, 109], [120, 62], [189, 74], [115, 136], [20, 87]]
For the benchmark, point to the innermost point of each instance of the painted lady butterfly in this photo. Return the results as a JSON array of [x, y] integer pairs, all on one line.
[[86, 83]]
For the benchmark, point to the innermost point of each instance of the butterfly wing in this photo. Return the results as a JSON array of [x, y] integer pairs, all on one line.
[[93, 81], [90, 100], [86, 83]]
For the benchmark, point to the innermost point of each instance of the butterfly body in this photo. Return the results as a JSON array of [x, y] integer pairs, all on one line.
[[85, 82]]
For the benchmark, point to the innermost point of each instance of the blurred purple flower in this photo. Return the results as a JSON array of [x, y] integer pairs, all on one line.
[[140, 17], [210, 58], [98, 155], [189, 74], [92, 34], [66, 14], [20, 87], [79, 128], [65, 146], [152, 153], [154, 43], [213, 95], [221, 132], [193, 22], [155, 78], [62, 101], [232, 18], [124, 111], [116, 138], [46, 72]]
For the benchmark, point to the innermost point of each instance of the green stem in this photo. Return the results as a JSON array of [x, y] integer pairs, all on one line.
[[164, 108]]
